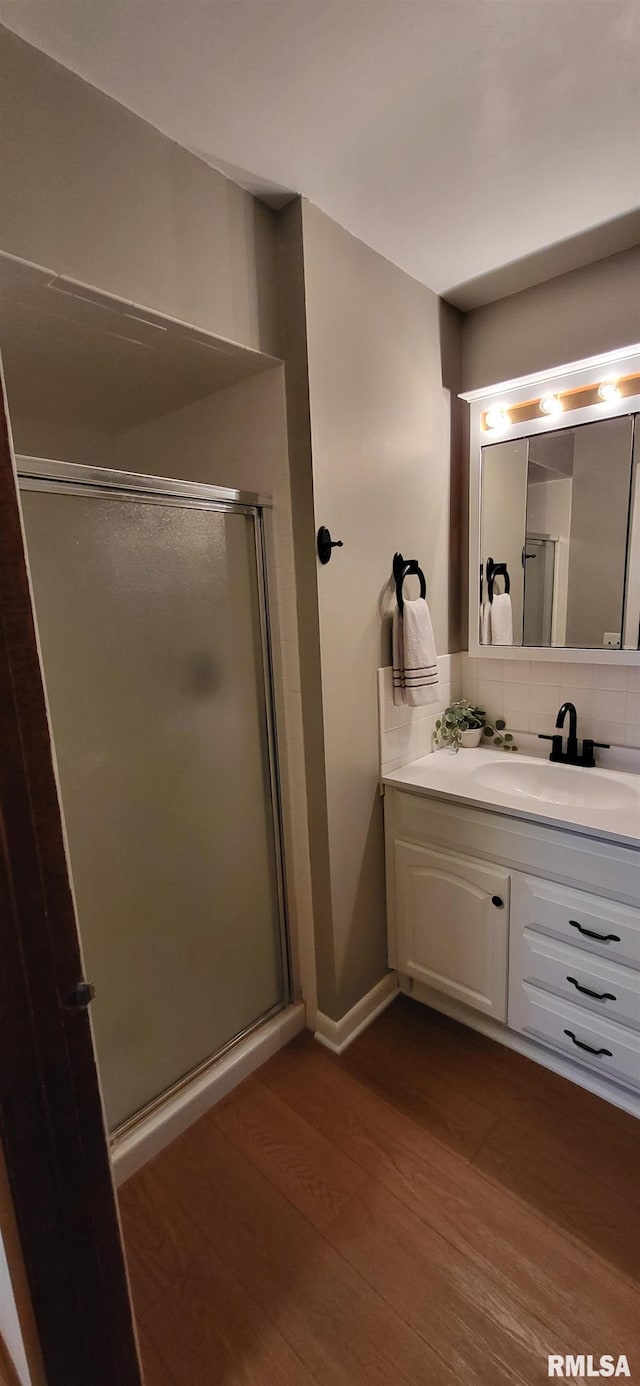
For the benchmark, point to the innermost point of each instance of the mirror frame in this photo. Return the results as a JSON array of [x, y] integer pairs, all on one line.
[[508, 394]]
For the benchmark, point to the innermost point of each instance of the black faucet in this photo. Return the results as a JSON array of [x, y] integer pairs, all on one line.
[[571, 756]]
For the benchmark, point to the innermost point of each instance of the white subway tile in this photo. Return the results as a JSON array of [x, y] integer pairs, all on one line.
[[390, 748], [544, 698], [517, 719], [611, 733], [633, 678], [491, 670], [404, 738], [611, 676], [609, 705], [576, 675], [580, 697], [518, 695], [545, 673], [517, 670], [632, 734], [394, 716], [632, 709], [543, 722], [490, 698]]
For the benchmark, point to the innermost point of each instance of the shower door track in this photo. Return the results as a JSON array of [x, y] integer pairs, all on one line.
[[126, 1128], [45, 474]]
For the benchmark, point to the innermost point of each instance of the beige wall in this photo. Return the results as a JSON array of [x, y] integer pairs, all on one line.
[[98, 195], [588, 311], [382, 480]]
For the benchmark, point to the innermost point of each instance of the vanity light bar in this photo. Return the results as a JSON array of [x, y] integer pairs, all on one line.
[[498, 418]]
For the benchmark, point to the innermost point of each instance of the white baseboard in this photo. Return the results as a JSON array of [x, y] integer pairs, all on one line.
[[155, 1131], [336, 1035], [601, 1087]]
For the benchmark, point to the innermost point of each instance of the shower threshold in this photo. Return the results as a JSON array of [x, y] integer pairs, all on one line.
[[158, 1123]]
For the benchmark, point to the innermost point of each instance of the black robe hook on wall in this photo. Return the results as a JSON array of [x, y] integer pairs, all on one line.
[[325, 544]]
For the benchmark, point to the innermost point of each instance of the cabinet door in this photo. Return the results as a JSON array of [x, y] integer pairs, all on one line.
[[452, 923]]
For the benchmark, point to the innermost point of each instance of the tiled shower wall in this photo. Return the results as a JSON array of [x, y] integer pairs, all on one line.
[[528, 693], [406, 732]]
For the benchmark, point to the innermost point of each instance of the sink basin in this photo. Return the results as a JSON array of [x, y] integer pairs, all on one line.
[[556, 784]]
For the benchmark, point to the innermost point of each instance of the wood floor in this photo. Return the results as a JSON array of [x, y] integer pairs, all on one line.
[[428, 1208]]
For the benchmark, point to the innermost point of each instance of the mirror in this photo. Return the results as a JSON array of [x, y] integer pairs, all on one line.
[[559, 539]]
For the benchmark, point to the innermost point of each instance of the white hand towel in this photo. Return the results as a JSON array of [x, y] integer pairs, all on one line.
[[485, 623], [415, 669], [501, 620]]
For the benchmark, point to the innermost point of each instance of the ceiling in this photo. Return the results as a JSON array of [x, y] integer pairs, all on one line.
[[454, 136]]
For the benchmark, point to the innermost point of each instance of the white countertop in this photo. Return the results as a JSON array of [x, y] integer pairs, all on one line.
[[466, 778]]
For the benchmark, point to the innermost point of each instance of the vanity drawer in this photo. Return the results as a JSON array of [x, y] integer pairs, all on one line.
[[588, 981], [586, 921], [599, 1044]]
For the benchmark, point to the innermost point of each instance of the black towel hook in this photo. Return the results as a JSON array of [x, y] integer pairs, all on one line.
[[405, 567], [325, 544], [495, 570]]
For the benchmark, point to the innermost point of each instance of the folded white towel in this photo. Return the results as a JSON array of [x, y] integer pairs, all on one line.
[[501, 619], [485, 623], [415, 669]]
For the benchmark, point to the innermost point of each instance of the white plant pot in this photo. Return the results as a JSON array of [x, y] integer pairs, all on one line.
[[473, 737]]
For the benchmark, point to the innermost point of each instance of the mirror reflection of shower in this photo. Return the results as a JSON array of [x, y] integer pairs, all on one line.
[[539, 559]]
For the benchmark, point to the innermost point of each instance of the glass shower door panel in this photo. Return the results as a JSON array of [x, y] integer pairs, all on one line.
[[149, 619]]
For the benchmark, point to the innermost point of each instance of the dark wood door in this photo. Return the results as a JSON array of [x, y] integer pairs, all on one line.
[[51, 1121]]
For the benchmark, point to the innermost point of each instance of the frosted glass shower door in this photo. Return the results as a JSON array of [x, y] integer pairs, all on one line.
[[149, 614]]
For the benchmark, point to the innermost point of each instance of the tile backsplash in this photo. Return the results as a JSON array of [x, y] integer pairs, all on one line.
[[528, 693], [406, 732]]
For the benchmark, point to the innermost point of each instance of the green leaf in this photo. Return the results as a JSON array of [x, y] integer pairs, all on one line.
[[438, 724], [500, 724]]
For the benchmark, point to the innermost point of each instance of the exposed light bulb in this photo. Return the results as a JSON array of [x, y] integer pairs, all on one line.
[[609, 391], [550, 405], [497, 419]]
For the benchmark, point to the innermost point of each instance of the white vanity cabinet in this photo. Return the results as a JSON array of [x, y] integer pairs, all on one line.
[[489, 920], [452, 925]]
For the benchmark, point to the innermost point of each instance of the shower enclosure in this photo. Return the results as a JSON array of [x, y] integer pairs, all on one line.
[[151, 606]]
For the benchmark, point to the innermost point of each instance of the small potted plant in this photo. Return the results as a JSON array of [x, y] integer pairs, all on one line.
[[463, 724]]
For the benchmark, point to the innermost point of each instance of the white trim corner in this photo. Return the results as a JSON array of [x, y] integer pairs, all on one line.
[[337, 1035]]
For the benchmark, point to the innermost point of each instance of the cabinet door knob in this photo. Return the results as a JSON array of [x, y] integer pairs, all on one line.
[[497, 901]]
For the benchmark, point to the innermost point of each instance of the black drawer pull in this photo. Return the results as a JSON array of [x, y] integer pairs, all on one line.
[[497, 901], [590, 933], [587, 1046], [597, 995]]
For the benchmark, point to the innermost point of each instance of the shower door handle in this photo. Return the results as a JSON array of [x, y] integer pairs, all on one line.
[[80, 997]]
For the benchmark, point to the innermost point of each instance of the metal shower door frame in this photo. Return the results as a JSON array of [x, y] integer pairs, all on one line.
[[69, 478]]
